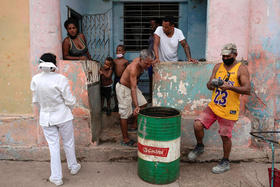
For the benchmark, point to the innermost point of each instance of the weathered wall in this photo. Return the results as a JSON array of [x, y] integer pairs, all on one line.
[[264, 64], [183, 86], [45, 30], [254, 27], [14, 58], [73, 70], [23, 131], [227, 21], [45, 36], [252, 24]]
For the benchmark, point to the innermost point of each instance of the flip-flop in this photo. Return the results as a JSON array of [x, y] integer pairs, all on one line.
[[130, 143]]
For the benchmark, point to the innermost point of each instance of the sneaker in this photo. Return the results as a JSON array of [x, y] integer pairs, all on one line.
[[222, 167], [76, 169], [56, 182], [198, 150]]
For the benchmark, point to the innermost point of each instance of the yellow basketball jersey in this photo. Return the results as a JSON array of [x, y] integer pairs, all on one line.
[[225, 104]]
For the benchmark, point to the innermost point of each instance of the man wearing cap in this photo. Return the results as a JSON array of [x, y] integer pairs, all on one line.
[[234, 79]]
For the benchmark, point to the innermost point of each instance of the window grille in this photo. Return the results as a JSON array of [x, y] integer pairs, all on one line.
[[137, 21], [97, 30]]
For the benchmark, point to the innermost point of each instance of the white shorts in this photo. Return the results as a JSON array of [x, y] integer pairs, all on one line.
[[125, 100]]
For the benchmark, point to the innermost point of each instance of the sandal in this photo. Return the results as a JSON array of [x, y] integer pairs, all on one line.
[[130, 143]]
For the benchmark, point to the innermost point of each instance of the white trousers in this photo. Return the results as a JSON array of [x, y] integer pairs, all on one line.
[[52, 136]]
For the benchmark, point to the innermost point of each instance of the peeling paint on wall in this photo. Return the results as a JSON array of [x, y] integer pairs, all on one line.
[[190, 95], [73, 70], [182, 86], [255, 30], [264, 55]]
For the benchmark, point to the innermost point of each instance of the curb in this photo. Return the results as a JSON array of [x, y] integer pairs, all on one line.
[[116, 152]]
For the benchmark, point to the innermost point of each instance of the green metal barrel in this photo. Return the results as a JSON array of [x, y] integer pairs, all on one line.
[[159, 134]]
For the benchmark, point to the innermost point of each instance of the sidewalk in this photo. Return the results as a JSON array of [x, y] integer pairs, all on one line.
[[124, 174]]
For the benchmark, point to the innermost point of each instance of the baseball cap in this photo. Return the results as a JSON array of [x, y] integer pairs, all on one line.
[[229, 49]]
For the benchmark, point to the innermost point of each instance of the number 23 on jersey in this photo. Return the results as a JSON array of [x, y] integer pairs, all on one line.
[[221, 97]]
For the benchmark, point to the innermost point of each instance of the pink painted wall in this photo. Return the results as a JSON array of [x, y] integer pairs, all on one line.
[[45, 36], [228, 21], [73, 70], [45, 30], [264, 63]]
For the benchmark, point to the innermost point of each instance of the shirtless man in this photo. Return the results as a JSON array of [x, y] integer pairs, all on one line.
[[120, 63], [128, 92]]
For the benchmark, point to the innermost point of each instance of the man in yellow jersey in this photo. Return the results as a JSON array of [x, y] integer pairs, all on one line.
[[228, 80]]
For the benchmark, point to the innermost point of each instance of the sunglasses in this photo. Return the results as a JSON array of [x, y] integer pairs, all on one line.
[[228, 75]]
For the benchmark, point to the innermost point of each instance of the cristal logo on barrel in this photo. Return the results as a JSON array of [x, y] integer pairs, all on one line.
[[155, 151]]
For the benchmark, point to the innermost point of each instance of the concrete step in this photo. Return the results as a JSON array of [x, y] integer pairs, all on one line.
[[22, 139], [116, 152]]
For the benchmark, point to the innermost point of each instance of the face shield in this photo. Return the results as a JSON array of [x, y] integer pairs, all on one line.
[[47, 66]]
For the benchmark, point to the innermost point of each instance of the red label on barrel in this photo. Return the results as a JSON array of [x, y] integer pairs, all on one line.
[[155, 151]]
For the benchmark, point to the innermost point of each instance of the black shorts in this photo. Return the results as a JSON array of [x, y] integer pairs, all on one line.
[[116, 80], [106, 92]]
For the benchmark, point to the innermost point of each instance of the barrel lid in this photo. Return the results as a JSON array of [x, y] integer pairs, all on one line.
[[160, 112]]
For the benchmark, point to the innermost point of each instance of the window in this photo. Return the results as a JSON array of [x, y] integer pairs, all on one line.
[[136, 21]]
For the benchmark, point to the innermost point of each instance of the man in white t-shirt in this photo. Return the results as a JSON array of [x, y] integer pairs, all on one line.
[[166, 41]]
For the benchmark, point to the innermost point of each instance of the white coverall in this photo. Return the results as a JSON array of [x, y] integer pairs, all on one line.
[[51, 91]]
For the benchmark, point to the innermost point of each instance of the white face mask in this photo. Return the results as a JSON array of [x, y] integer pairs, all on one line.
[[119, 55]]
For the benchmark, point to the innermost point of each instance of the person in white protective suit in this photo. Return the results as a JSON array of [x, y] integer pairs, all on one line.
[[52, 95]]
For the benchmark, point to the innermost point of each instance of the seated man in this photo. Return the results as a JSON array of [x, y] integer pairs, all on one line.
[[128, 93], [228, 80]]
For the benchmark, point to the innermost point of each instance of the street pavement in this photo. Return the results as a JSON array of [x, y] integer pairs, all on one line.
[[124, 174]]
